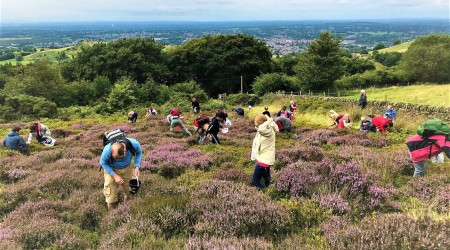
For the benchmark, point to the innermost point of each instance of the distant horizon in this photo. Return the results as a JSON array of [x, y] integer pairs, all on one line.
[[231, 21]]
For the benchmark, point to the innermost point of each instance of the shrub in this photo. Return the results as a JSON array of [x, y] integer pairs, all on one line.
[[228, 209], [274, 82], [290, 154], [170, 161], [235, 175], [227, 243], [242, 99], [426, 187], [391, 231], [333, 202]]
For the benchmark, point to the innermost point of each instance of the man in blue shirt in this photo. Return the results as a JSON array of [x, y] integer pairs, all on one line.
[[116, 161], [14, 141]]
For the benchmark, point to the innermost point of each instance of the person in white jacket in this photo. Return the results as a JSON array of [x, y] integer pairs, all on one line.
[[263, 150], [42, 134]]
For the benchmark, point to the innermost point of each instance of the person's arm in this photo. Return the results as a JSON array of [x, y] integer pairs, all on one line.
[[105, 160], [30, 138], [138, 157], [22, 143]]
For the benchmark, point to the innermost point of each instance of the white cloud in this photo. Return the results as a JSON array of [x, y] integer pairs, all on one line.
[[153, 10]]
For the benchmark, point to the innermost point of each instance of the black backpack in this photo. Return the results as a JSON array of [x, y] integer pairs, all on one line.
[[117, 135]]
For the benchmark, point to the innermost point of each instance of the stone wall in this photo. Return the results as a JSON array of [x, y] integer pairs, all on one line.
[[429, 111]]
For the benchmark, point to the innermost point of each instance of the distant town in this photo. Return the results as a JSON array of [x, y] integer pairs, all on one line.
[[283, 37]]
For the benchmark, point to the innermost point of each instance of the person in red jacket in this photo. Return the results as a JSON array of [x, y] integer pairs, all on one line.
[[381, 123], [422, 149]]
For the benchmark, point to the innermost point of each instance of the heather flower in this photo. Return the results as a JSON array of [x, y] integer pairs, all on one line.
[[391, 231], [425, 187], [227, 243], [350, 175], [231, 209], [171, 160], [441, 202], [235, 175], [297, 152], [16, 174], [297, 178], [334, 202]]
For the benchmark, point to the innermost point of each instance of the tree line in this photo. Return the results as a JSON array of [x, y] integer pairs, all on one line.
[[110, 76]]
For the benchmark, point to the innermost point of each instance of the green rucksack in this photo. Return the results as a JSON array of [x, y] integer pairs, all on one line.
[[433, 127]]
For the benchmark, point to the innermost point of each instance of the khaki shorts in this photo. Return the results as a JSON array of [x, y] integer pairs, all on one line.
[[110, 187]]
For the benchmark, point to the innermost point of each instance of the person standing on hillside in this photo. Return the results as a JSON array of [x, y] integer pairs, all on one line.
[[362, 99], [422, 149], [116, 161], [195, 106], [14, 141], [250, 104], [263, 150]]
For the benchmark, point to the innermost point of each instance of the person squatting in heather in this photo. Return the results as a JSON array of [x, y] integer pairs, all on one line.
[[116, 161], [263, 150], [132, 116], [14, 141], [42, 134], [174, 120], [422, 149]]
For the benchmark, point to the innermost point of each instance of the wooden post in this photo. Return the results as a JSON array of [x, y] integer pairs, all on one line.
[[242, 85], [339, 93]]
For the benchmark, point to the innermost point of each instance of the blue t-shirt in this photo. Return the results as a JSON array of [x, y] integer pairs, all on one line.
[[107, 162]]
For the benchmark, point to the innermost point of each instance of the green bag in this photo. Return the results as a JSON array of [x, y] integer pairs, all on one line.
[[433, 127]]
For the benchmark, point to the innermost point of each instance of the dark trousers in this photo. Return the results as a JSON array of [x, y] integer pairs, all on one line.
[[259, 174], [215, 138]]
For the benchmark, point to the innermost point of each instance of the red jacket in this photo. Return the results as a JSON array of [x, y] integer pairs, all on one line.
[[422, 149], [174, 112], [380, 122]]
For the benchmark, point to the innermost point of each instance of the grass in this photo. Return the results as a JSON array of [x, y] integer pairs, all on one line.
[[429, 94], [48, 54], [403, 47]]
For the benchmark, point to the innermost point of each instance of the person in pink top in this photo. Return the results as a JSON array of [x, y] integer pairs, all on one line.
[[422, 149]]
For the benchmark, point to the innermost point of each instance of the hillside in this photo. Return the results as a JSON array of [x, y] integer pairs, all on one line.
[[429, 94], [397, 48], [49, 54], [331, 188]]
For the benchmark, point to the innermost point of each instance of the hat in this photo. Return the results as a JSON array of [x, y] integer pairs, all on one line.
[[16, 129], [363, 91], [363, 118]]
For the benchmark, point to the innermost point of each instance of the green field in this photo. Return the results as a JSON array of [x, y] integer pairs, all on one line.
[[429, 94], [397, 48], [48, 54]]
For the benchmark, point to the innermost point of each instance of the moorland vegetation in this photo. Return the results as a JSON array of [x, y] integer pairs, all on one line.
[[333, 189]]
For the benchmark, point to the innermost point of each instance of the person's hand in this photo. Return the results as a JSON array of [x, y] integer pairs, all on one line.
[[118, 179], [136, 172], [28, 142]]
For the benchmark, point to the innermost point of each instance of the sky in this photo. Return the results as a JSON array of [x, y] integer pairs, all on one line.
[[13, 11]]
